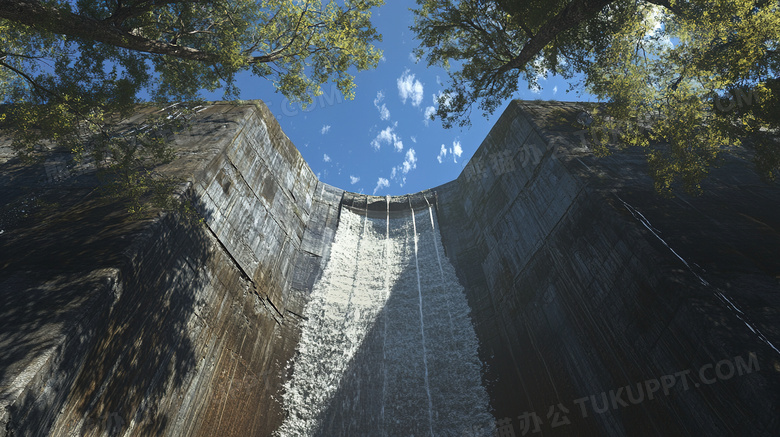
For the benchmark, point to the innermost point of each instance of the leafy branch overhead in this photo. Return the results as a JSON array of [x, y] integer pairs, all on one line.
[[667, 61], [297, 45], [71, 69]]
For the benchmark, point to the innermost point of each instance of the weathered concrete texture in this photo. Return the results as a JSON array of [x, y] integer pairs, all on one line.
[[115, 325], [573, 297], [581, 281]]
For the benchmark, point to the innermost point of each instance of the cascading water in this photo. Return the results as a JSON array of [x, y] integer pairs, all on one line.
[[384, 320], [387, 347], [422, 323], [441, 269]]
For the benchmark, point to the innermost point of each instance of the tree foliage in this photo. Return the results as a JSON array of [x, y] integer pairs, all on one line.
[[73, 69], [686, 79]]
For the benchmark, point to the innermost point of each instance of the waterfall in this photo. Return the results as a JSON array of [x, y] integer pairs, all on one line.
[[387, 347], [438, 259], [384, 324], [422, 323]]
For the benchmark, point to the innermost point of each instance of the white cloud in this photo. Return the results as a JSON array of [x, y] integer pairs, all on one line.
[[381, 183], [398, 173], [353, 179], [410, 88], [384, 113], [555, 90], [429, 111], [410, 162], [442, 154], [388, 136], [413, 58], [455, 151], [325, 157], [413, 138], [325, 129], [442, 98]]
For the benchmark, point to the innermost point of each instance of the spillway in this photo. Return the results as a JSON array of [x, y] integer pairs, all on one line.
[[388, 347]]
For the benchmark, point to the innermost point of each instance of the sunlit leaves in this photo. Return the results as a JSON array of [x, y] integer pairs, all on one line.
[[71, 81], [475, 38], [671, 82], [659, 65]]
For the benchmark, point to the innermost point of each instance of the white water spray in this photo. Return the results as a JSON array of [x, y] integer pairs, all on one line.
[[359, 367], [438, 259], [384, 324], [422, 322]]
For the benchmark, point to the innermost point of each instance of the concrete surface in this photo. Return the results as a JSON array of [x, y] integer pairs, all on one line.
[[584, 286], [574, 298], [119, 325]]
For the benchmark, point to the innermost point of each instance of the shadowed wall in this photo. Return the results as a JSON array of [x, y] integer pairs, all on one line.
[[574, 298]]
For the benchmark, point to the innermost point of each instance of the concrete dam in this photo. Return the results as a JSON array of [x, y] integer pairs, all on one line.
[[544, 291]]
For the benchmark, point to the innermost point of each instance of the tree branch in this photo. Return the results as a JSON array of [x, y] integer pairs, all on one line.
[[123, 13], [666, 4], [34, 14], [573, 14], [26, 77], [55, 20], [53, 94], [276, 54]]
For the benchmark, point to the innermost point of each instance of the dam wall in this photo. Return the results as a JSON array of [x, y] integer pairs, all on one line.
[[286, 306], [580, 308], [116, 325]]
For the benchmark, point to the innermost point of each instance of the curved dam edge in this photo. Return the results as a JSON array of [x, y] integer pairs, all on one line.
[[580, 281], [115, 325], [587, 287]]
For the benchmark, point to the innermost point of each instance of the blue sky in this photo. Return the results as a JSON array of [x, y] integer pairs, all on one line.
[[381, 142]]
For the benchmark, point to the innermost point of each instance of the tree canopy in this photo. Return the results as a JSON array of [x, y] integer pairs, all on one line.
[[684, 78], [69, 67]]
